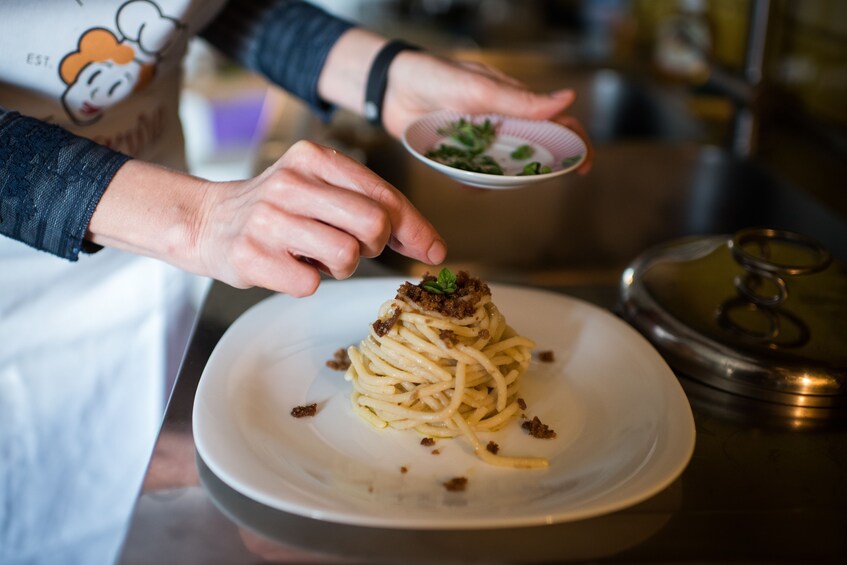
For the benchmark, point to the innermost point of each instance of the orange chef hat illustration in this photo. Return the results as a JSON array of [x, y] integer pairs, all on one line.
[[101, 45]]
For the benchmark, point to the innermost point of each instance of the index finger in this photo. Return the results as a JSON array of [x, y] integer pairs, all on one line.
[[411, 233]]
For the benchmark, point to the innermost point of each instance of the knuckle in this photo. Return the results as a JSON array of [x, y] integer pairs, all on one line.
[[242, 255], [306, 149], [385, 194], [347, 254], [281, 181], [376, 224], [261, 217], [305, 284], [302, 145]]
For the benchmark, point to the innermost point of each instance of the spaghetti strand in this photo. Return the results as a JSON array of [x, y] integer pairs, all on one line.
[[442, 375]]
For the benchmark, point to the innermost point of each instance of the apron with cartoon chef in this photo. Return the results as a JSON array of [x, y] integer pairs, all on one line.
[[86, 348]]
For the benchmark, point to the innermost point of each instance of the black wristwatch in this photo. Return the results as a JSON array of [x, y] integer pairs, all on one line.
[[378, 78]]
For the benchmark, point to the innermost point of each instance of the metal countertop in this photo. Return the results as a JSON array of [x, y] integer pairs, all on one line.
[[761, 487]]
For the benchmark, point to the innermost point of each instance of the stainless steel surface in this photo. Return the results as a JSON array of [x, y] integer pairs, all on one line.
[[761, 268], [683, 296], [763, 486], [766, 484]]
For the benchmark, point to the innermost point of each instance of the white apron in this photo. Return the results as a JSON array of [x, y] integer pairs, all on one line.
[[87, 349]]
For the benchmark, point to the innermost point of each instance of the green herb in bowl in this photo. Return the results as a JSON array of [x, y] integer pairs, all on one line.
[[568, 161], [459, 158], [473, 139], [476, 137], [535, 168], [523, 152]]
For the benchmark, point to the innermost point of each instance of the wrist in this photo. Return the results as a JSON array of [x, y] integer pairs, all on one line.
[[152, 211], [378, 78], [344, 75], [402, 105]]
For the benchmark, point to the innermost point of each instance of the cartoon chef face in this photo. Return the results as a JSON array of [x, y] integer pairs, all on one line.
[[99, 85], [99, 75]]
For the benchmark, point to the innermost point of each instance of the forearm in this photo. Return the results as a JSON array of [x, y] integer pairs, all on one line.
[[153, 211], [318, 57]]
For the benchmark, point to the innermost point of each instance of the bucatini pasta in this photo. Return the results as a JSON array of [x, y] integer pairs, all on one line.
[[443, 362]]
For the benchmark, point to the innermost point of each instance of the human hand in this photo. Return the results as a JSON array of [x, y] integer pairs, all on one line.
[[313, 210], [468, 87]]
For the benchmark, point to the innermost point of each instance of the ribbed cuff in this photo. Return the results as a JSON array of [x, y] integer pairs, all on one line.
[[50, 183]]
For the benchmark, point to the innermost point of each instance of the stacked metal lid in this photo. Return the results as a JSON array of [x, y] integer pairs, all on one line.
[[761, 313]]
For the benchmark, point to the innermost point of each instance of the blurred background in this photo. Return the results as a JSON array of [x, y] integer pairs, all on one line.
[[707, 116]]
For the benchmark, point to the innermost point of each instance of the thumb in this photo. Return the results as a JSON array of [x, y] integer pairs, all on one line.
[[565, 96], [533, 105]]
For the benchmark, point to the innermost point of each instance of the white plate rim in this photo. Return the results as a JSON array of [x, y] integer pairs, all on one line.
[[671, 455]]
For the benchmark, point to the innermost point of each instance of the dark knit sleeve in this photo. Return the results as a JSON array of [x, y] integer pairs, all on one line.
[[286, 41], [50, 183]]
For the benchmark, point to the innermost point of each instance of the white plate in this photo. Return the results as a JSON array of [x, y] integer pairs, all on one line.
[[625, 429], [555, 146]]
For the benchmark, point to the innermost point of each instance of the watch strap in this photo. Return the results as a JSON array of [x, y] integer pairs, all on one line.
[[378, 78]]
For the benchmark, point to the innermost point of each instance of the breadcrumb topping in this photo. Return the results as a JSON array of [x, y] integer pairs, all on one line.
[[340, 360], [537, 429], [458, 304], [382, 327], [456, 484], [305, 410]]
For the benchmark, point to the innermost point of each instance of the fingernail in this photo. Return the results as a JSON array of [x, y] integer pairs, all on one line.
[[437, 252], [564, 93]]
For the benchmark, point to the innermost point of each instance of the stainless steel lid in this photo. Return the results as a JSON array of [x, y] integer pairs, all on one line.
[[762, 313]]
